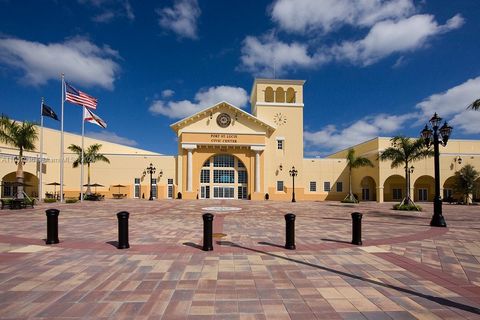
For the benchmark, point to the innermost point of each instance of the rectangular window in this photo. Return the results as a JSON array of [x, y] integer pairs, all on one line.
[[137, 188], [447, 194], [339, 186], [154, 188], [223, 176], [242, 192], [224, 160], [170, 181], [205, 176], [279, 185], [326, 186], [280, 144], [313, 186], [242, 176], [396, 194]]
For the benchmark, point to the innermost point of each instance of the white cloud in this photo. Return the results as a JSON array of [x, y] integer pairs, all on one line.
[[261, 55], [302, 16], [203, 99], [467, 121], [167, 93], [388, 37], [453, 101], [111, 137], [110, 9], [333, 139], [82, 61], [181, 18]]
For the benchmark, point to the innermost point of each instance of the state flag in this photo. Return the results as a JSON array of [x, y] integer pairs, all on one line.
[[91, 117], [48, 112]]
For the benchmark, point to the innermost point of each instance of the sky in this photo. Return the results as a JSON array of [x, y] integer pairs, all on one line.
[[372, 67]]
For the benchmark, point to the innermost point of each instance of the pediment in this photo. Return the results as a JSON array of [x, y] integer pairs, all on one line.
[[207, 121]]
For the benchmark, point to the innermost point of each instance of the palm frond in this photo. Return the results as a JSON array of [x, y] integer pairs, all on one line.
[[475, 105], [75, 148], [362, 162]]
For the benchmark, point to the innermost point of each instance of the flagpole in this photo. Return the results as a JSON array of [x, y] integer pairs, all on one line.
[[40, 186], [61, 140], [81, 169]]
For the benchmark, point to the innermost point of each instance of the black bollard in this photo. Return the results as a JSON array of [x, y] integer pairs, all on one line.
[[52, 226], [290, 231], [357, 228], [207, 232], [123, 230]]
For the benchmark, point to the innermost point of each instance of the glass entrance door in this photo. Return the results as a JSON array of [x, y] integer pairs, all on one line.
[[223, 176], [365, 194], [422, 194], [220, 192]]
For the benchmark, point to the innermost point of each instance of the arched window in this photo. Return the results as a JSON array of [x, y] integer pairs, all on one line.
[[290, 95], [269, 94], [280, 95]]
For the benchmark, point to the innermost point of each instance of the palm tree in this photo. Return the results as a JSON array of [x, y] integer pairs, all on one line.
[[21, 135], [475, 105], [403, 152], [91, 155], [352, 163], [466, 182]]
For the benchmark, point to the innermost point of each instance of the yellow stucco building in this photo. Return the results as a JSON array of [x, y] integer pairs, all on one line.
[[225, 152]]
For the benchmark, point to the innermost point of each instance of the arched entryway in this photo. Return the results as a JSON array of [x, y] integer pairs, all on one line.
[[449, 194], [368, 189], [394, 188], [223, 176], [424, 189], [10, 189]]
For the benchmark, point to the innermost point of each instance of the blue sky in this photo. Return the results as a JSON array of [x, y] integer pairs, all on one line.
[[373, 67]]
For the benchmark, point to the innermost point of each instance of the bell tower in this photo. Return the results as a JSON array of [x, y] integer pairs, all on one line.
[[279, 102]]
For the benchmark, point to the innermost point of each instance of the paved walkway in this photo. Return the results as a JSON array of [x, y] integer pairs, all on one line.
[[404, 270]]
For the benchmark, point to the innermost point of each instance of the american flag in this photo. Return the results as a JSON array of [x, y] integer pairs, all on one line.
[[78, 97]]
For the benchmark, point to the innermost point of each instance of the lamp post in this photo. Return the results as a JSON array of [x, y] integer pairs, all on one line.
[[440, 136], [293, 173], [151, 169]]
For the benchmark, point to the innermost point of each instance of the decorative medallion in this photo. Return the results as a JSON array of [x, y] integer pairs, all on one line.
[[224, 120], [280, 119]]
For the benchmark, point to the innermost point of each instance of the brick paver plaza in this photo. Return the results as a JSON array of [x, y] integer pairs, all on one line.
[[404, 270]]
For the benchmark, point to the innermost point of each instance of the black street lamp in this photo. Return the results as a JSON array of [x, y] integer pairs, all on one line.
[[442, 133], [293, 174], [151, 169]]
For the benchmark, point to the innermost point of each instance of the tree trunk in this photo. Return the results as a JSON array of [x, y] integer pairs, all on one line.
[[19, 176], [407, 184], [89, 191], [350, 193]]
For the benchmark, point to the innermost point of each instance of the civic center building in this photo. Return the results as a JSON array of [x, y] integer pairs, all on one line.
[[227, 153]]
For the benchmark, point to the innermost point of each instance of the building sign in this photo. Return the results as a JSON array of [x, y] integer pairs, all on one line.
[[223, 138]]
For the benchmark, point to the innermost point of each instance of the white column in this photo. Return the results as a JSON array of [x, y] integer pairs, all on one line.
[[189, 148], [189, 170], [257, 171], [380, 194]]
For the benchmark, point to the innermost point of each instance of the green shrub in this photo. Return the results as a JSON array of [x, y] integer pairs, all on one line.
[[407, 207], [71, 200], [49, 200]]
